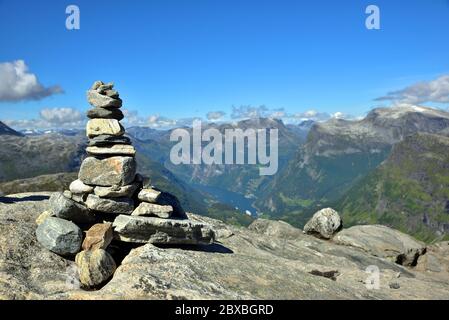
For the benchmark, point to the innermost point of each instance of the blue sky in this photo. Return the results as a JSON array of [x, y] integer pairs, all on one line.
[[181, 59]]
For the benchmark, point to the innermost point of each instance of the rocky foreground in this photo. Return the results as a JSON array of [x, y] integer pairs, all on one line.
[[268, 260]]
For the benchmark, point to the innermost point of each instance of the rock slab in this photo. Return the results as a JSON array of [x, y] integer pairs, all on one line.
[[161, 231], [108, 172], [107, 140], [116, 205], [151, 209], [116, 191], [104, 113], [117, 149], [383, 242]]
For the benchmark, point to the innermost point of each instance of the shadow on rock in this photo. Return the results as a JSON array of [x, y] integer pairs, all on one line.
[[9, 200], [212, 248]]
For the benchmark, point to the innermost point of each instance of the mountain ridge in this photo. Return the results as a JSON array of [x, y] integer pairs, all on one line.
[[337, 154]]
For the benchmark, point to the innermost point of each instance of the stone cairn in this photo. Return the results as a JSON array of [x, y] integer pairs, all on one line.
[[110, 202]]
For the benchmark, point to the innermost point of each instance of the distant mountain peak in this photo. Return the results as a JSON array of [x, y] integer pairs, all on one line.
[[404, 109], [5, 130]]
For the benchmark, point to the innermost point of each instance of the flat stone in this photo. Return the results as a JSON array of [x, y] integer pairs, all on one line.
[[97, 84], [161, 231], [59, 236], [153, 195], [80, 198], [116, 205], [105, 87], [96, 127], [149, 195], [383, 242], [78, 187], [94, 267], [116, 191], [102, 101], [168, 199], [105, 113], [112, 93], [108, 172], [151, 209], [67, 209], [324, 223], [44, 215], [117, 149], [99, 236], [106, 140]]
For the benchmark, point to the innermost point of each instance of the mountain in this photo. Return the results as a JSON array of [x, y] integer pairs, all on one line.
[[301, 129], [29, 156], [50, 182], [5, 130], [269, 260], [337, 154], [409, 191], [145, 133]]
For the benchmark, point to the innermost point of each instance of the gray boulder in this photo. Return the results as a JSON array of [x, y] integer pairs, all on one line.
[[108, 172], [116, 205], [161, 231], [324, 223], [94, 267], [384, 242], [59, 236], [67, 209]]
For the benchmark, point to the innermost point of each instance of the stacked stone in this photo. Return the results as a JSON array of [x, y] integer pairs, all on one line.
[[109, 201]]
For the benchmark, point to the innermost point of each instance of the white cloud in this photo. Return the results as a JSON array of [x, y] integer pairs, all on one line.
[[215, 115], [159, 122], [51, 118], [311, 115], [17, 83], [431, 91], [338, 115], [132, 118], [278, 114], [61, 116], [244, 112]]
